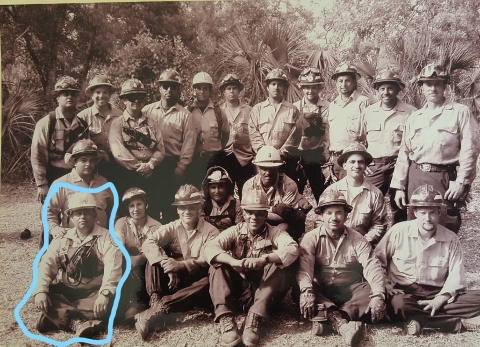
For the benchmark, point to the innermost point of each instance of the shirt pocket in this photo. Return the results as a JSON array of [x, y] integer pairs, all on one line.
[[364, 216], [241, 134], [406, 265], [175, 131], [397, 134], [374, 133], [448, 132], [264, 125], [196, 250], [213, 129], [437, 269]]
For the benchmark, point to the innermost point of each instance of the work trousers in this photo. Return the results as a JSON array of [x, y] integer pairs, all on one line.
[[168, 185], [337, 169], [446, 319], [382, 174], [258, 293], [291, 167], [201, 162], [191, 292], [351, 300], [71, 304], [110, 170], [313, 173], [238, 173], [134, 297]]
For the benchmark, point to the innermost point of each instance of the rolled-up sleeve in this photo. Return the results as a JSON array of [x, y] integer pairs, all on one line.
[[456, 279], [112, 262], [121, 154], [39, 151], [223, 243], [256, 138], [189, 142], [372, 268], [55, 208], [48, 267], [152, 246], [307, 260], [159, 154], [193, 265], [469, 147], [378, 221], [290, 147], [287, 248]]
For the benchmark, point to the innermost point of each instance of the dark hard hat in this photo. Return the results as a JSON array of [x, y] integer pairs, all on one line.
[[388, 76], [330, 198], [132, 193], [277, 75], [187, 195], [229, 79], [170, 76], [426, 195], [97, 81], [254, 200], [345, 69], [354, 148], [310, 76], [132, 86], [433, 72], [66, 83]]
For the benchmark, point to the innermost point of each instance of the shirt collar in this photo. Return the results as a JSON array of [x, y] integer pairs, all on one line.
[[210, 104], [225, 205], [447, 105], [72, 234], [223, 105], [323, 231], [267, 103], [175, 107], [245, 232], [76, 177], [127, 116], [439, 236], [342, 185]]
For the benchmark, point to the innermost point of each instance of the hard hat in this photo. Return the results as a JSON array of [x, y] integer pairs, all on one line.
[[66, 83], [98, 81], [332, 197], [268, 156], [231, 78], [132, 86], [187, 195], [170, 76], [345, 69], [426, 195], [84, 146], [79, 201], [217, 174], [132, 193], [202, 77], [354, 148], [277, 75], [254, 200], [433, 72], [388, 76], [310, 76]]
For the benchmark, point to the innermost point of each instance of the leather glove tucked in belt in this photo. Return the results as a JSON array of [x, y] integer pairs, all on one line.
[[377, 308], [283, 210], [307, 303]]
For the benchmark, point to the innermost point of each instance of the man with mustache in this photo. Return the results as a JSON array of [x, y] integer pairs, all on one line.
[[440, 147], [344, 113], [273, 122], [425, 275], [340, 279], [368, 215], [89, 264], [54, 136]]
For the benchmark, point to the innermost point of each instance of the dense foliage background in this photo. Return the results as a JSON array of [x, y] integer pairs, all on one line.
[[42, 42]]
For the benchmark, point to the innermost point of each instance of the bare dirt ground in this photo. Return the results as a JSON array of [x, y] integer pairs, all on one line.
[[19, 210]]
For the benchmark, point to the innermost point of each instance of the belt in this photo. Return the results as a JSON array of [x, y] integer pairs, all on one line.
[[435, 168], [385, 160], [204, 154], [338, 153]]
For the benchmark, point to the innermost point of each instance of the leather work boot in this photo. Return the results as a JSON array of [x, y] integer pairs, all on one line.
[[44, 324], [228, 328], [413, 328], [250, 333], [85, 328], [145, 320], [349, 330], [471, 324], [154, 299]]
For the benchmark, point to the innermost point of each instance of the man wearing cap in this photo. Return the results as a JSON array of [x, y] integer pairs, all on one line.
[[99, 118], [220, 208], [288, 208], [273, 122], [335, 261], [381, 128], [179, 134], [84, 158], [344, 113], [238, 151], [248, 272], [176, 274], [137, 145], [425, 274], [314, 145], [89, 266], [54, 136], [440, 147], [368, 215], [212, 128]]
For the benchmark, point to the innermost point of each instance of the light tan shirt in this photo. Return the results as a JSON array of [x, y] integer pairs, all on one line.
[[99, 125], [276, 127], [210, 137], [107, 252], [408, 259], [175, 241], [178, 131], [383, 130], [346, 264], [130, 236], [444, 136], [344, 120], [239, 141]]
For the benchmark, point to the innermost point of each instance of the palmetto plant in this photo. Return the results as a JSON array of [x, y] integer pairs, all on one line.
[[252, 56], [19, 114]]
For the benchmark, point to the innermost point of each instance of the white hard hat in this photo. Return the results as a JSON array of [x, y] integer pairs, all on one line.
[[268, 156], [202, 77]]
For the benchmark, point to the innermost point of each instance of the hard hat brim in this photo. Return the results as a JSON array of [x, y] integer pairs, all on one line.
[[268, 80], [88, 90], [445, 79], [378, 83], [101, 155], [255, 207], [268, 164], [318, 209], [69, 210], [427, 204], [184, 203], [58, 91], [225, 85], [341, 159], [319, 83], [128, 92], [337, 74], [159, 82]]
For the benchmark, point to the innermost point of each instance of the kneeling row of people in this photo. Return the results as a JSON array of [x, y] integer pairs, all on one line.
[[416, 271]]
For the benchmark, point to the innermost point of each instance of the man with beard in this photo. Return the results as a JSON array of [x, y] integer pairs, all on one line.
[[176, 274], [381, 127], [89, 264], [368, 215], [248, 271], [54, 136], [178, 132], [340, 279], [314, 145], [273, 122], [344, 114], [440, 147], [84, 158], [425, 279]]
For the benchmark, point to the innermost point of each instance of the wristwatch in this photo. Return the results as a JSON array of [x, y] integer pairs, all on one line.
[[106, 293], [266, 258]]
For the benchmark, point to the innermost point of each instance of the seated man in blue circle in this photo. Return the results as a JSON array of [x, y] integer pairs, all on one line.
[[78, 274]]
